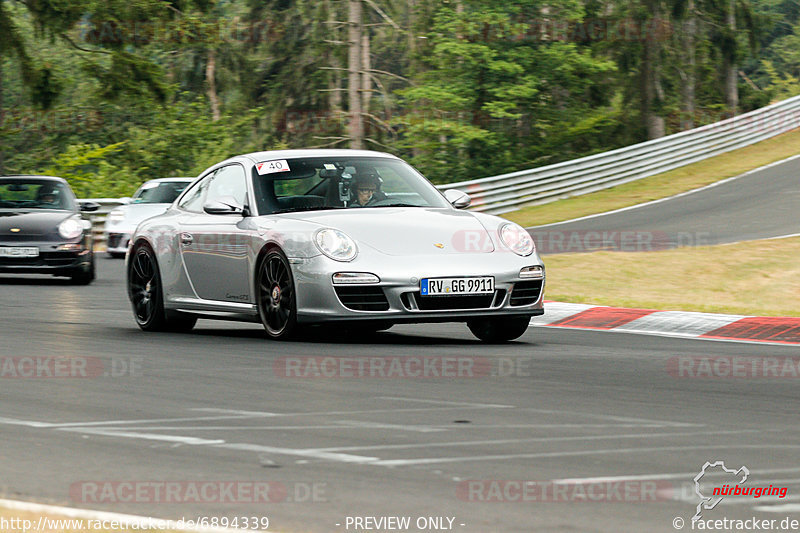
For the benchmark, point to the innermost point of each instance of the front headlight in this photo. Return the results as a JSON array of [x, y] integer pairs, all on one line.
[[70, 228], [517, 239], [336, 245], [115, 216]]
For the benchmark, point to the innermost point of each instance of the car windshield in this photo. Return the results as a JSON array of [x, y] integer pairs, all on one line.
[[318, 183], [33, 193], [159, 192]]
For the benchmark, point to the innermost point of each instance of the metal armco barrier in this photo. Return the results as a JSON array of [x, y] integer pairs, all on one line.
[[509, 192], [98, 217]]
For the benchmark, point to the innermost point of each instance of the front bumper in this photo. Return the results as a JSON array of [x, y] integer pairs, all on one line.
[[51, 260], [396, 298], [117, 242]]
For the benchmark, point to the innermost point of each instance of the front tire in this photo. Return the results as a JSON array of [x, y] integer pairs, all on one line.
[[277, 301], [146, 294], [84, 277], [499, 329]]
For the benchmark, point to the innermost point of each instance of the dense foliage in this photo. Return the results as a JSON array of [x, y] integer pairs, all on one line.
[[108, 93]]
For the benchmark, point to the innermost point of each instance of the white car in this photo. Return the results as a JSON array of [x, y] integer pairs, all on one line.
[[152, 198]]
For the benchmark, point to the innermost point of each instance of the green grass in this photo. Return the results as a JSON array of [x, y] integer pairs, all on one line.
[[662, 185], [751, 278]]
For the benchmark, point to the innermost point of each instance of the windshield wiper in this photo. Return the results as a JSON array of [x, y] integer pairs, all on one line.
[[301, 209], [395, 205]]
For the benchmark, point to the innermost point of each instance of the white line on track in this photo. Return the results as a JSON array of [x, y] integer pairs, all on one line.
[[442, 426], [612, 417], [438, 460], [105, 432], [787, 508], [378, 425], [660, 200], [679, 475], [28, 423], [56, 425], [534, 439], [443, 402], [340, 457], [314, 454], [234, 412]]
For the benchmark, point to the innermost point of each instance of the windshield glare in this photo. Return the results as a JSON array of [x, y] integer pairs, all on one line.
[[155, 192], [31, 193], [316, 183]]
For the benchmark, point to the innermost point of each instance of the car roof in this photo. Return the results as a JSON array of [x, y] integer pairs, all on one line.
[[34, 176], [167, 180], [258, 157]]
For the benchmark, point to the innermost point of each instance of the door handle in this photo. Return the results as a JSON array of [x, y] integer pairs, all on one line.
[[186, 239]]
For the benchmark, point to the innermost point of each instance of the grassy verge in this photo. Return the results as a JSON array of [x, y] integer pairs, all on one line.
[[753, 278], [663, 185]]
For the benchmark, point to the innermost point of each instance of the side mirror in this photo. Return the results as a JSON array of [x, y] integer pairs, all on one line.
[[88, 207], [225, 205], [125, 200], [458, 199]]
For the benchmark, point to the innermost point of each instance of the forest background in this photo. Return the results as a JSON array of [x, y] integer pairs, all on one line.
[[110, 93]]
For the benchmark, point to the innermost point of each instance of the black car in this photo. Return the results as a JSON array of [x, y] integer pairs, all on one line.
[[41, 229]]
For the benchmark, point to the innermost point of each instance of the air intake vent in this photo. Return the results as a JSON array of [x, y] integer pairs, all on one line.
[[369, 298], [446, 303], [526, 292]]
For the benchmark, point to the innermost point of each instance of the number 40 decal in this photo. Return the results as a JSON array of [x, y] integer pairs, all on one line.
[[270, 167]]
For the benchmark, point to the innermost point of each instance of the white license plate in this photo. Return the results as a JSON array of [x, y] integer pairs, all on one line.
[[456, 286], [18, 251]]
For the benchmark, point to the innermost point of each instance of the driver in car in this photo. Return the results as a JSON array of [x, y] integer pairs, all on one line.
[[47, 196], [367, 187]]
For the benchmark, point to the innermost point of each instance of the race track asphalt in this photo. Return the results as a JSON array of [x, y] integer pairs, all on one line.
[[762, 204], [216, 406]]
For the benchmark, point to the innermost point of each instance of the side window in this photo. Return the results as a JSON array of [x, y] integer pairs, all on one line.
[[229, 181], [195, 198]]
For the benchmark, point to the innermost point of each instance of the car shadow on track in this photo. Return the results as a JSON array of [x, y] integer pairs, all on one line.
[[35, 281], [327, 336]]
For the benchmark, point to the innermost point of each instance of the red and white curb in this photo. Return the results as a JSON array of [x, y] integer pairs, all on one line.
[[737, 328]]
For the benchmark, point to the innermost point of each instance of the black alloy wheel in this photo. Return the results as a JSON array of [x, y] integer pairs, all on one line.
[[277, 302]]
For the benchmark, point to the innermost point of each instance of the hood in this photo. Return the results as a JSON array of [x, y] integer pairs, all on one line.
[[407, 231], [31, 223]]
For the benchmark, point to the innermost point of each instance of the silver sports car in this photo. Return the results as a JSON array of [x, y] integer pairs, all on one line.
[[301, 237], [152, 198]]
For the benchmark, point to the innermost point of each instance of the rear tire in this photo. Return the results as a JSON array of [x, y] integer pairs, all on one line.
[[499, 329], [146, 295]]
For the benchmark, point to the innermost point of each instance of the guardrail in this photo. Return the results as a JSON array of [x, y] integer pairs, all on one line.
[[509, 192], [98, 217]]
